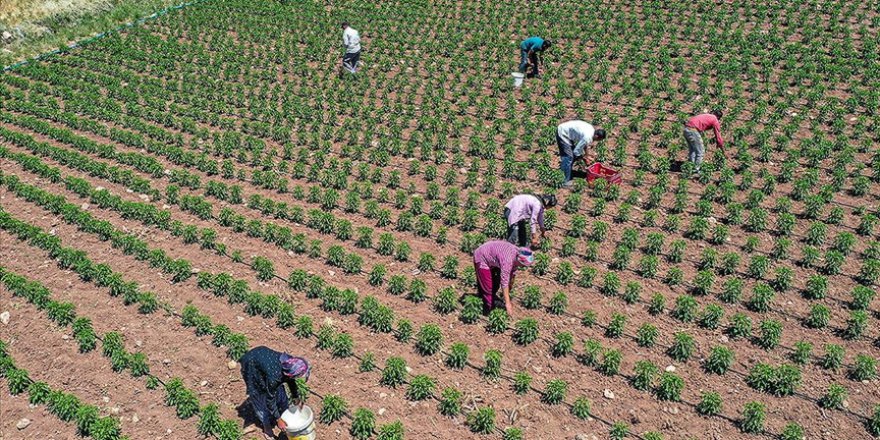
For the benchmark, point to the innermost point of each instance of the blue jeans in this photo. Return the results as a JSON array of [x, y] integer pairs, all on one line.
[[565, 165], [696, 150]]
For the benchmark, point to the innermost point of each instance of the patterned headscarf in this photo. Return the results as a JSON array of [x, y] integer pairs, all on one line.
[[525, 257], [293, 366]]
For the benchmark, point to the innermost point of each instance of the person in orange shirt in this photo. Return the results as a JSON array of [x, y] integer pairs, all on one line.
[[692, 129]]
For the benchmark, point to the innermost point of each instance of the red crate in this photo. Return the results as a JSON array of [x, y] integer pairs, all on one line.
[[599, 171]]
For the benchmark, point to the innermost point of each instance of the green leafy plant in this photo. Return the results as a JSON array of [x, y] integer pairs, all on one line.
[[644, 373], [646, 336], [752, 419], [390, 431], [710, 404], [450, 402], [333, 409], [581, 408], [792, 431], [429, 340], [555, 392], [563, 346], [394, 373], [682, 348], [492, 369], [522, 381], [619, 431], [496, 322], [481, 420], [363, 424], [864, 368], [617, 326], [834, 397], [420, 387]]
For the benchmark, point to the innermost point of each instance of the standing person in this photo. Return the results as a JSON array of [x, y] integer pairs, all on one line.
[[530, 49], [572, 138], [692, 129], [495, 263], [351, 41], [265, 372], [527, 207]]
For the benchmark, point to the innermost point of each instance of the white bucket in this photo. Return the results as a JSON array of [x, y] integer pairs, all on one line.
[[518, 79], [300, 423]]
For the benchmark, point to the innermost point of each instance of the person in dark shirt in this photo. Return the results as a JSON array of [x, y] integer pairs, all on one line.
[[265, 371]]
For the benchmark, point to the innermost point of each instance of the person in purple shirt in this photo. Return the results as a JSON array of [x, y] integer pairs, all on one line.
[[495, 263], [527, 207]]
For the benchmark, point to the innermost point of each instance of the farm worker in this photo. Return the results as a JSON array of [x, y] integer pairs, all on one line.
[[572, 138], [495, 263], [351, 41], [692, 129], [265, 372], [529, 50], [527, 207]]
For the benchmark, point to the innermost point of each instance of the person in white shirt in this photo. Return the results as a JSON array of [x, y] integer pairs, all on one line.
[[572, 138], [351, 40]]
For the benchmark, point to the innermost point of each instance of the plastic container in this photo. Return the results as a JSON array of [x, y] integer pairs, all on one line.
[[518, 79], [300, 423], [599, 171]]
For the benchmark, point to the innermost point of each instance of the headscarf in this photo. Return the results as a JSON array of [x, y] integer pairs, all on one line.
[[525, 257], [292, 366]]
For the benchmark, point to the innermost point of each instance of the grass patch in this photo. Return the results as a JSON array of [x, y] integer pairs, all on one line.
[[31, 27]]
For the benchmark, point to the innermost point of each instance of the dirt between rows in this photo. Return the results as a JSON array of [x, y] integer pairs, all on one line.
[[622, 391], [840, 285], [789, 305]]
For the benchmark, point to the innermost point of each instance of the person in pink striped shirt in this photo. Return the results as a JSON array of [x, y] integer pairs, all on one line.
[[495, 263], [692, 129]]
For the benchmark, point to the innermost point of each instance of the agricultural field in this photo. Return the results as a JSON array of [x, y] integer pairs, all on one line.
[[180, 192]]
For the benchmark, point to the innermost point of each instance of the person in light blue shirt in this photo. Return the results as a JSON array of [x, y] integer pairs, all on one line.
[[530, 49]]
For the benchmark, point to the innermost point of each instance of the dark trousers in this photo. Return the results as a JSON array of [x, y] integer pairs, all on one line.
[[517, 233], [350, 61], [258, 402], [523, 64]]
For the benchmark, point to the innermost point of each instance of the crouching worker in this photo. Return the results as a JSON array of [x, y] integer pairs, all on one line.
[[573, 138], [265, 372], [527, 207], [495, 263]]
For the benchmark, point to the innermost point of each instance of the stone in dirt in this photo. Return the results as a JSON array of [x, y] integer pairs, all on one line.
[[23, 423], [4, 317]]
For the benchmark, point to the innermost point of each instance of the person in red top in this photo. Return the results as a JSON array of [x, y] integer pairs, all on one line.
[[692, 129]]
